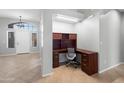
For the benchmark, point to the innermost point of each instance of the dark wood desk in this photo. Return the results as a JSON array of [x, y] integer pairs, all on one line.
[[89, 60], [56, 56]]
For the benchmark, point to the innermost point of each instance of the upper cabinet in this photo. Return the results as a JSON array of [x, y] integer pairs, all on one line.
[[64, 40], [72, 36], [65, 36], [57, 36]]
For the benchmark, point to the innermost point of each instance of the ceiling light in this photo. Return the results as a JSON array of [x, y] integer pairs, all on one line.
[[19, 24], [67, 18], [90, 16]]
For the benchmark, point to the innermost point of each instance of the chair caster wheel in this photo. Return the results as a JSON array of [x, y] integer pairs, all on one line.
[[75, 66]]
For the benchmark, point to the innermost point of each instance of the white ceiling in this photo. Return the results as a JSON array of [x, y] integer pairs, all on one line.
[[27, 14], [32, 14], [35, 14], [89, 12], [120, 10]]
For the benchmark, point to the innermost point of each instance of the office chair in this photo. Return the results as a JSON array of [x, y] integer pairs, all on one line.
[[71, 57]]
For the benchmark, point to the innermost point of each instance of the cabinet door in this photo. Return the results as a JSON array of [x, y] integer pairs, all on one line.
[[72, 36], [85, 63], [65, 36], [55, 60], [57, 36], [85, 67]]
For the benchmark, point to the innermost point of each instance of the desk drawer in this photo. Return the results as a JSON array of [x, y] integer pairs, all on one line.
[[84, 59], [86, 63], [85, 67], [55, 63], [84, 55], [55, 60], [56, 56]]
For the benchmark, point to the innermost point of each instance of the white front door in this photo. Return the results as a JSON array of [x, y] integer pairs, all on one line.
[[22, 42]]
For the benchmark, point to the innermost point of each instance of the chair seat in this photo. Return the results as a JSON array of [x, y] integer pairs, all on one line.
[[70, 56]]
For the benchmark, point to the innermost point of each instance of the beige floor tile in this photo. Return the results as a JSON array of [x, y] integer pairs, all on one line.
[[26, 68]]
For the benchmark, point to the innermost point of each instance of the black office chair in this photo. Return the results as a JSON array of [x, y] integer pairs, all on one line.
[[71, 57]]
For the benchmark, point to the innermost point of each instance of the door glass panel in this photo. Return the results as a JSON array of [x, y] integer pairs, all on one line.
[[11, 40], [34, 39]]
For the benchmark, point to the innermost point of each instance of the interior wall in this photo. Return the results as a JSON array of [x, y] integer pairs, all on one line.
[[47, 49], [63, 27], [109, 40], [101, 34], [3, 36], [88, 34], [122, 39]]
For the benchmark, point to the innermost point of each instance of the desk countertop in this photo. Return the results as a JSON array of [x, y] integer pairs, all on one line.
[[84, 51], [60, 50], [77, 50]]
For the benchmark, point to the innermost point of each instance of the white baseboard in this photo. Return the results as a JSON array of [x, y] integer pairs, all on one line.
[[34, 52], [8, 54], [121, 62], [110, 67], [12, 54], [45, 75]]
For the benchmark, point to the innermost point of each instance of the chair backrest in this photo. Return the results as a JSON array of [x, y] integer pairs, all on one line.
[[71, 50], [71, 53]]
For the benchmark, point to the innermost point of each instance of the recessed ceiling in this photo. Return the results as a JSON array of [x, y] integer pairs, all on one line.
[[27, 14]]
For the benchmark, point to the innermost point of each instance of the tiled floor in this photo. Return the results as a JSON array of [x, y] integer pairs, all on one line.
[[115, 75], [65, 74], [27, 68], [71, 75], [20, 68]]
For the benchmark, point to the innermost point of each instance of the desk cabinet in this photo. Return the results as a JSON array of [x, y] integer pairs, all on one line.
[[57, 36], [72, 36], [89, 63], [56, 56], [55, 59]]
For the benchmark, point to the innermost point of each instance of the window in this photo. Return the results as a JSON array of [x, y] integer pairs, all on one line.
[[26, 26], [34, 39], [11, 40]]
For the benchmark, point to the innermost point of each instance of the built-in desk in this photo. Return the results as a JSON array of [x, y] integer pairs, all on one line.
[[56, 56], [89, 60]]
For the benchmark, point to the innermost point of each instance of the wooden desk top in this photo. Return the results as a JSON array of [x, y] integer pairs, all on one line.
[[60, 50], [85, 51], [77, 50]]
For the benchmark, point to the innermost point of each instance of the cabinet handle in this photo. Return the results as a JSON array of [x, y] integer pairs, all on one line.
[[84, 60], [84, 65]]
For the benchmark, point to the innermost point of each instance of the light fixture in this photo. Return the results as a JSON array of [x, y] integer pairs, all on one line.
[[19, 24], [90, 16], [67, 18]]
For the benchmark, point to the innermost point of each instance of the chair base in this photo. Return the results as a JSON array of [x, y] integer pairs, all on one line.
[[74, 63]]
